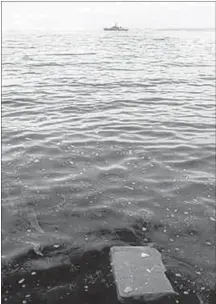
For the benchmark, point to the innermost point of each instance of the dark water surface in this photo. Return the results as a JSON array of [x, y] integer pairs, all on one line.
[[107, 139]]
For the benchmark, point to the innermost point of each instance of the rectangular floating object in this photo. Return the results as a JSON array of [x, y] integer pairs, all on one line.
[[139, 274]]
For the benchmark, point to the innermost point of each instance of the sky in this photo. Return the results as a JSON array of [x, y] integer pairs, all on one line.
[[91, 15]]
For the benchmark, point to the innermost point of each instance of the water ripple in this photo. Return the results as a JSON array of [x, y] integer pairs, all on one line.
[[106, 140]]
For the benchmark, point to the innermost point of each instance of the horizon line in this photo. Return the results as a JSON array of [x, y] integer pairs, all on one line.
[[98, 29]]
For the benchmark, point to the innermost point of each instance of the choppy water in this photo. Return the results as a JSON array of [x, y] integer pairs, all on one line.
[[107, 139]]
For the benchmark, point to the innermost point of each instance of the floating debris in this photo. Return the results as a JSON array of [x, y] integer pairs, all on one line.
[[37, 250], [127, 262], [33, 273], [21, 281], [144, 229], [34, 222], [178, 275]]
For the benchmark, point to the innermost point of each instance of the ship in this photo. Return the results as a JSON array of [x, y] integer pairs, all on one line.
[[115, 28]]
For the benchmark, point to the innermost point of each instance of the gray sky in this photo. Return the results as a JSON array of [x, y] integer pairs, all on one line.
[[72, 15]]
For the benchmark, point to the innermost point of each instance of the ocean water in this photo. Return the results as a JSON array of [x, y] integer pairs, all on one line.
[[107, 139]]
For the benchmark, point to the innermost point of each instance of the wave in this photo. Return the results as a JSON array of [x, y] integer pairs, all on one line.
[[116, 149], [72, 54]]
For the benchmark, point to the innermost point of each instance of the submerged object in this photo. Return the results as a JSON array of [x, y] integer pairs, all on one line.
[[115, 28], [139, 274]]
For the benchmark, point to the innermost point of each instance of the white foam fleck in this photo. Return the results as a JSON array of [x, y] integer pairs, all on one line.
[[130, 188], [212, 219], [144, 255], [128, 289], [56, 246]]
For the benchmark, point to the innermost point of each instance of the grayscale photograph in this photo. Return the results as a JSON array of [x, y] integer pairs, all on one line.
[[108, 152]]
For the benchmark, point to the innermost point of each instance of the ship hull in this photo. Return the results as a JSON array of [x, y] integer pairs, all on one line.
[[112, 30]]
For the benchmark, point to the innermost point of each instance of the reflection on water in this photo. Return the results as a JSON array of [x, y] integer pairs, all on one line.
[[107, 139]]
